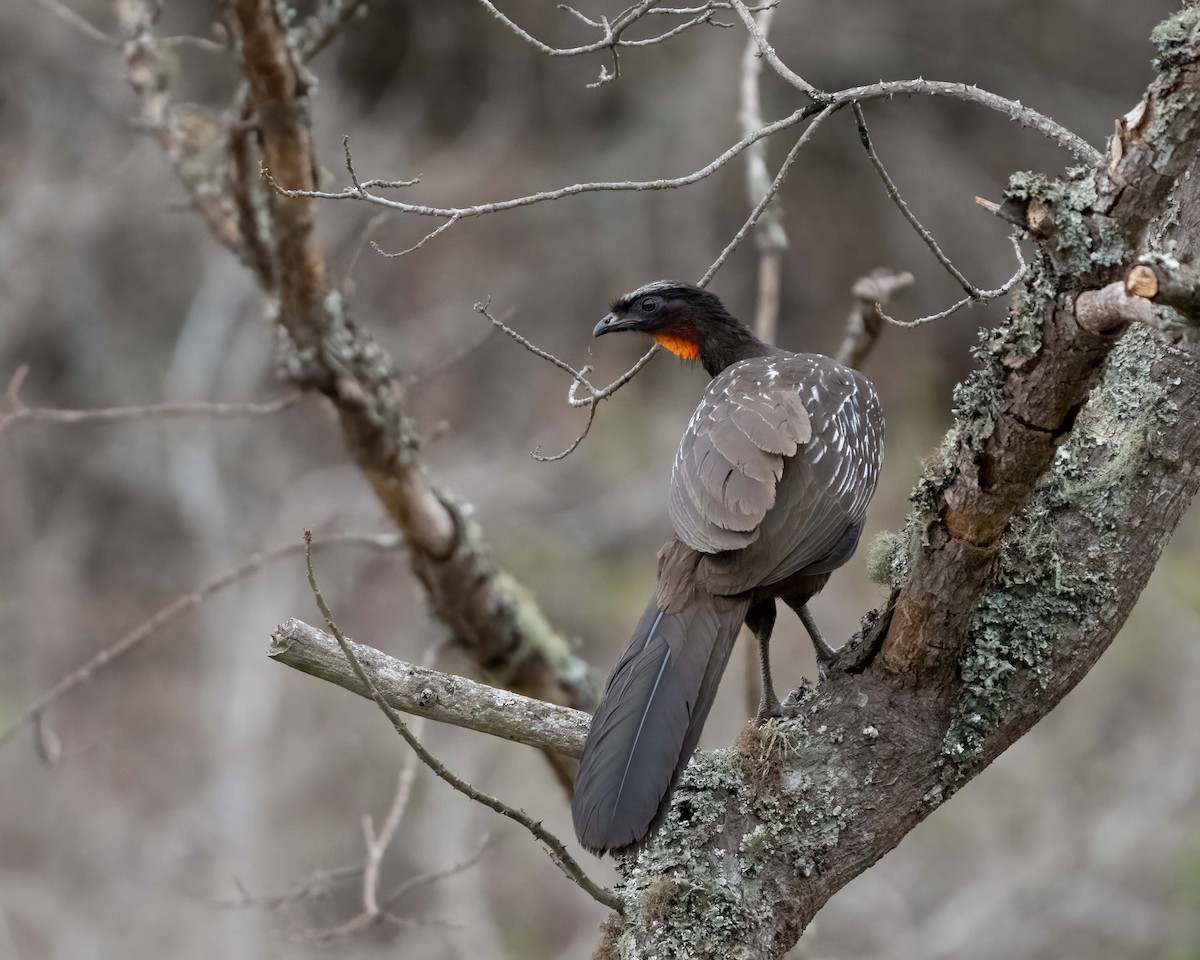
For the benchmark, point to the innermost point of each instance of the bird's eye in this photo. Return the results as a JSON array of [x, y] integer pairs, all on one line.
[[650, 304]]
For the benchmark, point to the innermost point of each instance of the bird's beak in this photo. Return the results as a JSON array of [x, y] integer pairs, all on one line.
[[612, 324]]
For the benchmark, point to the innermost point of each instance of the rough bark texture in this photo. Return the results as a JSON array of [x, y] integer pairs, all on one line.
[[433, 694], [1073, 458]]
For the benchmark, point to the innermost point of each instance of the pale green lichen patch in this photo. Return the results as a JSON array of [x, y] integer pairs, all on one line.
[[687, 880], [1044, 587], [1174, 38], [888, 559], [703, 886], [1077, 239]]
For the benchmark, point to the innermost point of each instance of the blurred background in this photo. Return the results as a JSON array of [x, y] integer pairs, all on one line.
[[197, 780]]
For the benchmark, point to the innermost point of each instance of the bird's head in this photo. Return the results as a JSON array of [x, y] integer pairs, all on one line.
[[690, 322]]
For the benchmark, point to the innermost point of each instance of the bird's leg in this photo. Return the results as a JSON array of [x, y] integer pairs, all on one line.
[[825, 653], [761, 620]]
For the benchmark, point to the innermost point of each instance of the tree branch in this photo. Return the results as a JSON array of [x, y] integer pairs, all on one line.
[[432, 694], [485, 609], [172, 611], [834, 101], [1034, 530], [19, 412], [558, 852]]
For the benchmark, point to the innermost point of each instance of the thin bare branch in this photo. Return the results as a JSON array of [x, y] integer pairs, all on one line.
[[537, 451], [325, 24], [616, 385], [883, 90], [969, 300], [558, 853], [361, 191], [203, 44], [768, 52], [173, 610], [416, 246], [578, 378], [422, 880], [576, 375], [377, 843], [320, 884], [757, 212], [18, 412], [368, 231], [715, 5], [894, 195], [770, 236], [1013, 109], [612, 32]]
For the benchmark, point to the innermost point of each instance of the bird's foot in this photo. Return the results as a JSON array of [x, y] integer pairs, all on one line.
[[768, 709]]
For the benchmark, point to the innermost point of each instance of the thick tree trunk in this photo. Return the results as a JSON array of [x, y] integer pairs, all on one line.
[[1073, 458]]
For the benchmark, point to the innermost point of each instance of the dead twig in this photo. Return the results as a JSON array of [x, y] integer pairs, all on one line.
[[770, 236], [970, 300], [612, 38], [893, 193], [558, 853], [758, 210], [876, 91], [759, 36], [180, 605], [18, 412]]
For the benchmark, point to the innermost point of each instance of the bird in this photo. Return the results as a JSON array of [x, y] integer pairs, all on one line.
[[768, 493]]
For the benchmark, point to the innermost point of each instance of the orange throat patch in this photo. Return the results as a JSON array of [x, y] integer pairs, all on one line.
[[680, 346]]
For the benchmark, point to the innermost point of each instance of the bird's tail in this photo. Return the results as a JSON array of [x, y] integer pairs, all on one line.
[[649, 720]]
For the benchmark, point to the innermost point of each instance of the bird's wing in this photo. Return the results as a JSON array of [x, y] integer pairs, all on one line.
[[775, 470], [732, 455]]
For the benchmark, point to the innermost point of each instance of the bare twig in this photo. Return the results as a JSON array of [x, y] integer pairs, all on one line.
[[770, 236], [894, 195], [180, 605], [765, 49], [325, 24], [969, 300], [444, 697], [882, 90], [361, 190], [416, 246], [377, 843], [537, 451], [368, 231], [319, 884], [616, 385], [18, 412], [766, 197], [558, 852], [578, 377], [612, 32], [203, 44], [434, 876]]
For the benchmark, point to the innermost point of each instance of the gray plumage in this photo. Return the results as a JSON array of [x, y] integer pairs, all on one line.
[[768, 493]]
